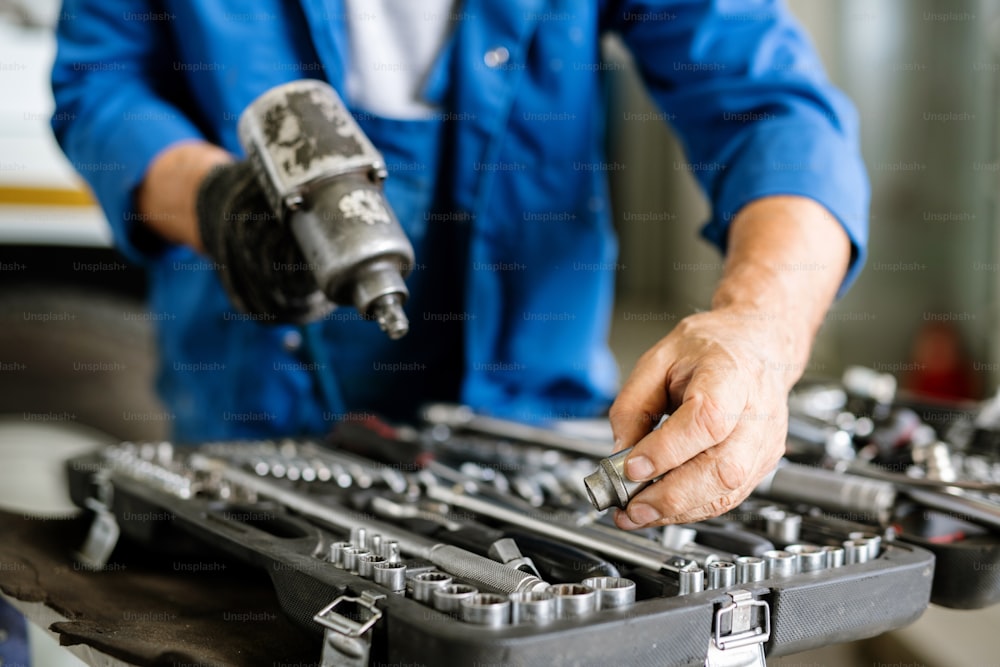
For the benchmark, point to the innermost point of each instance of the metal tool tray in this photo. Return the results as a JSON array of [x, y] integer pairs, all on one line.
[[807, 610]]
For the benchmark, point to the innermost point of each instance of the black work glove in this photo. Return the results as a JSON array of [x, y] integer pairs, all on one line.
[[257, 258]]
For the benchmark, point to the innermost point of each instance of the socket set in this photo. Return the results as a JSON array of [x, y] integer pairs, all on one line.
[[464, 541]]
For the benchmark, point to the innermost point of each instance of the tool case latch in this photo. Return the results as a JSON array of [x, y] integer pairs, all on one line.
[[347, 639], [742, 626], [104, 531]]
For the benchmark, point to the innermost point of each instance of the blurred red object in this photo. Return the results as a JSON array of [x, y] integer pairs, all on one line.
[[942, 367]]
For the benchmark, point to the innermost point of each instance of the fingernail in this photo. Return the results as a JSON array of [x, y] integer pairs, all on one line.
[[642, 514], [638, 468], [623, 522]]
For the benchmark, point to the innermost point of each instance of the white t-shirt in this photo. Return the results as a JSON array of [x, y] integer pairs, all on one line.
[[393, 45]]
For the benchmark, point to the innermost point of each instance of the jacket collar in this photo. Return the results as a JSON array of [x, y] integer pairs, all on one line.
[[486, 24], [484, 91]]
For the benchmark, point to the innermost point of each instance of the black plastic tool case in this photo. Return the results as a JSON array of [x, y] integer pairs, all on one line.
[[807, 610], [966, 573]]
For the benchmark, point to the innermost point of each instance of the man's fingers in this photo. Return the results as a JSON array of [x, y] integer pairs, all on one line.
[[641, 401], [710, 484], [713, 405]]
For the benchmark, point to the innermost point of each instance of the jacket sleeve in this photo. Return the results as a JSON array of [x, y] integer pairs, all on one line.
[[757, 116], [112, 80]]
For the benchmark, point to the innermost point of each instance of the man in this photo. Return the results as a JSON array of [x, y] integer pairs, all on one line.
[[489, 117]]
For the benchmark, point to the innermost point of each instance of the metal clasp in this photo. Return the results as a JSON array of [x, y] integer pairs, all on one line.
[[104, 531], [741, 628], [347, 641]]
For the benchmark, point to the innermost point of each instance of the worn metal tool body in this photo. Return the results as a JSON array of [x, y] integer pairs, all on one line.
[[323, 178]]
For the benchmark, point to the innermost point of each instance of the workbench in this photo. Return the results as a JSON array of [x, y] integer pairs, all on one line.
[[146, 608]]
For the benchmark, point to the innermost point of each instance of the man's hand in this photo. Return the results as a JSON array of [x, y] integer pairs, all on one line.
[[166, 197], [257, 257], [724, 375], [196, 194], [716, 375]]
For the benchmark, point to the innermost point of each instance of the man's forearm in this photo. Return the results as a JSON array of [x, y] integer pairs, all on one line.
[[166, 199], [787, 257]]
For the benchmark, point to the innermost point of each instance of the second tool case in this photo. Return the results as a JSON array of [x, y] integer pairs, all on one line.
[[379, 559], [926, 470]]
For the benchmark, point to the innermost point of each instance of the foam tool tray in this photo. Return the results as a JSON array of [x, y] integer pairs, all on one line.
[[302, 528]]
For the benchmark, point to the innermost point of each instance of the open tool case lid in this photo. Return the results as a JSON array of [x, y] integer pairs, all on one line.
[[779, 615]]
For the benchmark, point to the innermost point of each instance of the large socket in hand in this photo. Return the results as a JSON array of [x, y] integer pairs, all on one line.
[[324, 178], [608, 486]]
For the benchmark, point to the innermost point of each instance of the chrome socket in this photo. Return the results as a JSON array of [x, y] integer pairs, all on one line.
[[367, 563], [277, 467], [811, 557], [292, 470], [424, 584], [337, 553], [487, 609], [339, 476], [260, 467], [608, 486], [323, 473], [307, 470], [783, 527], [448, 598], [721, 574], [350, 558], [612, 592], [536, 607], [690, 580], [857, 551], [750, 569], [834, 556], [874, 543], [574, 600], [359, 538], [781, 563], [390, 575]]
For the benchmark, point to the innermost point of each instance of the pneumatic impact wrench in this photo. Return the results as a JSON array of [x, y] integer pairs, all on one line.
[[323, 178]]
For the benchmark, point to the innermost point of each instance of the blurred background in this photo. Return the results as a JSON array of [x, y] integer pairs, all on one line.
[[923, 74]]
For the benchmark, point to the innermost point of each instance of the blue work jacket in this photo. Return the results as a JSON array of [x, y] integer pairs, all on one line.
[[519, 173]]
